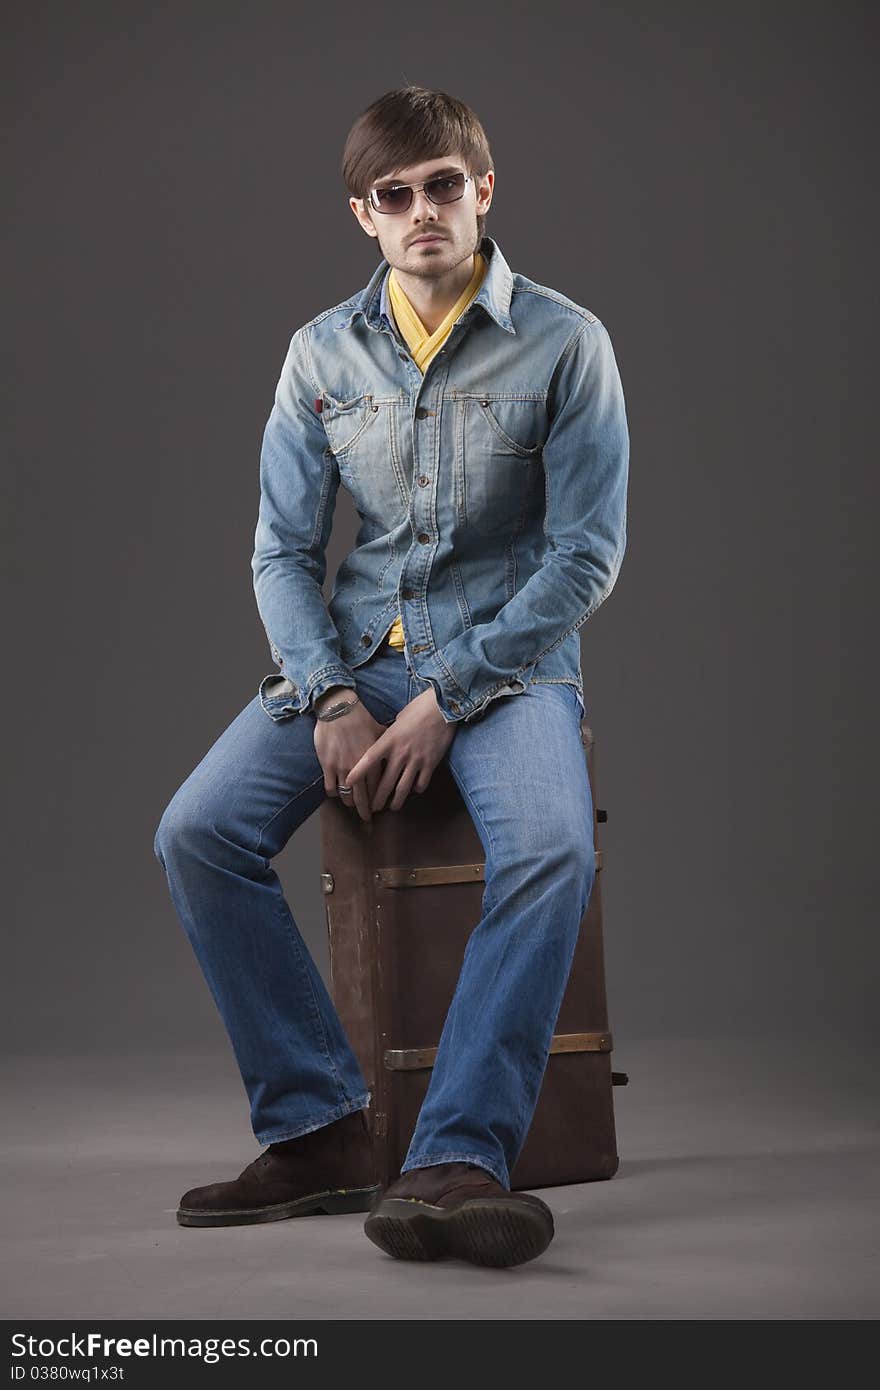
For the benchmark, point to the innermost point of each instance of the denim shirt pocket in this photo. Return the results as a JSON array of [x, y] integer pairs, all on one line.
[[503, 476], [363, 436]]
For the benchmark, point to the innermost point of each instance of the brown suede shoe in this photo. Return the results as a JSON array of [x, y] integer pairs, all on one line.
[[458, 1210], [326, 1171]]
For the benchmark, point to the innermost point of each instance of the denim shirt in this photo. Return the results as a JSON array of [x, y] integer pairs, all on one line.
[[491, 492]]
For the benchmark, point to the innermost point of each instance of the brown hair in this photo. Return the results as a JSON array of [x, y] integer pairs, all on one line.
[[406, 126]]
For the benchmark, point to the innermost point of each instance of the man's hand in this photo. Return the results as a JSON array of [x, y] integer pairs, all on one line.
[[340, 742], [410, 749]]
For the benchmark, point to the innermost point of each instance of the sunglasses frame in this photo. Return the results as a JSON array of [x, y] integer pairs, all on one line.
[[418, 188]]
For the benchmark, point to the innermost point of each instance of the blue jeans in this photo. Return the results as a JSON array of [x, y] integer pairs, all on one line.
[[521, 771]]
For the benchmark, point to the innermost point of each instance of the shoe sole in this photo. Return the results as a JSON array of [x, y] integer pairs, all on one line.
[[495, 1233], [330, 1203]]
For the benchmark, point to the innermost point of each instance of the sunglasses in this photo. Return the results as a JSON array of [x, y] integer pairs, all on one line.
[[445, 188]]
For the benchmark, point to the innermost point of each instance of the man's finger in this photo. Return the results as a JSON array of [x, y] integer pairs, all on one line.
[[364, 765], [403, 788], [373, 757], [385, 785], [360, 798], [372, 780]]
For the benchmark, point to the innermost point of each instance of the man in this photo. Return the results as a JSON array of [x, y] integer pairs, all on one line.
[[477, 420]]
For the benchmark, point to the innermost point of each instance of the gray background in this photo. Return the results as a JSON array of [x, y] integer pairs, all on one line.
[[700, 178]]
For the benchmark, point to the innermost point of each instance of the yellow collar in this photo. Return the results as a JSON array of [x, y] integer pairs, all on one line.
[[420, 342]]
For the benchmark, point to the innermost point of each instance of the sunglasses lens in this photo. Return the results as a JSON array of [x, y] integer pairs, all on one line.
[[392, 199], [445, 190]]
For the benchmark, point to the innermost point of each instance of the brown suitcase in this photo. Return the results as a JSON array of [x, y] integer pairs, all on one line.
[[403, 894]]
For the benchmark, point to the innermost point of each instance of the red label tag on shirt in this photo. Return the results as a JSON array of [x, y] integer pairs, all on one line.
[[319, 404]]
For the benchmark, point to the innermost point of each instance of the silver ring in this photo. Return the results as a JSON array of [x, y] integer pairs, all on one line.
[[340, 787]]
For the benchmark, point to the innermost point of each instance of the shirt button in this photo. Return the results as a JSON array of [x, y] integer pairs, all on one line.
[[421, 412], [407, 593], [423, 537], [423, 480], [366, 640], [453, 706]]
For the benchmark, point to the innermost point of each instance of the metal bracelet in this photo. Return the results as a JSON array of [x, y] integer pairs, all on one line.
[[337, 711]]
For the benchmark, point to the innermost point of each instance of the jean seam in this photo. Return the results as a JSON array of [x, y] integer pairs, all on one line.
[[263, 828], [431, 1160], [311, 1124], [470, 801], [296, 942], [299, 946]]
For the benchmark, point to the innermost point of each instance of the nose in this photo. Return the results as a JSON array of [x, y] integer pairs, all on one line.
[[422, 204]]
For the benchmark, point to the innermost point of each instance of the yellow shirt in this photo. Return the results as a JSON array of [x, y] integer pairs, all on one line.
[[423, 345]]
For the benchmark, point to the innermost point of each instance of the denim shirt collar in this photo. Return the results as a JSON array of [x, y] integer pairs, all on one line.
[[494, 294]]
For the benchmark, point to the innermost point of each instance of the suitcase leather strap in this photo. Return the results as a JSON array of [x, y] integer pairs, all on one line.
[[417, 1058]]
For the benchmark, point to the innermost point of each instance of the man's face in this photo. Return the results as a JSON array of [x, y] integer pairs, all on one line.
[[454, 223]]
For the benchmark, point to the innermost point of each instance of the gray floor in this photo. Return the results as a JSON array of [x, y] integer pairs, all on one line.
[[747, 1189]]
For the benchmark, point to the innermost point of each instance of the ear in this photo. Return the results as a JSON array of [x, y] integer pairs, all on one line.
[[361, 212], [484, 189]]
